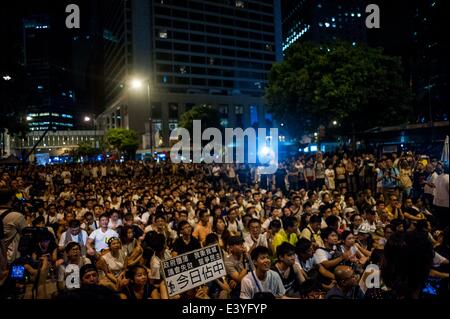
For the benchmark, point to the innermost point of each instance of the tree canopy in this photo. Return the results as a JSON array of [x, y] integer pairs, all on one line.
[[210, 118], [356, 86], [123, 140]]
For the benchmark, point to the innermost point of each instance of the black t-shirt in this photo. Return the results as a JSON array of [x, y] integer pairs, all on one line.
[[180, 246]]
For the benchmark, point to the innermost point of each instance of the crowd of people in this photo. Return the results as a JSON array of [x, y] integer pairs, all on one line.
[[325, 226]]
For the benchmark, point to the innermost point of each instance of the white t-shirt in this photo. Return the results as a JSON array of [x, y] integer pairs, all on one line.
[[322, 255], [249, 242], [272, 283], [101, 238], [441, 191]]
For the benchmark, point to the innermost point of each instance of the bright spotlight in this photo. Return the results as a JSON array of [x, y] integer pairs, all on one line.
[[136, 84]]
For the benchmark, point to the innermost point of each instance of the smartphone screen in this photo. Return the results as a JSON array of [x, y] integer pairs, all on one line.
[[17, 272]]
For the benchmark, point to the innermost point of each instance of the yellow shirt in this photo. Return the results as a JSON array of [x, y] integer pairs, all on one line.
[[282, 237]]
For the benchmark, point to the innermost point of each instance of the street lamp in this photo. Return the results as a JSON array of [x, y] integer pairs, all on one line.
[[29, 118], [137, 84], [87, 119], [335, 123], [6, 77]]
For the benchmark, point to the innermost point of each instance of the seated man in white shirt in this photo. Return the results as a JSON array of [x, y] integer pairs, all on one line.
[[98, 239], [255, 238], [261, 279]]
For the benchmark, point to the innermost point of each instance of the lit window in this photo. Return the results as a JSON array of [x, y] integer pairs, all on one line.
[[239, 4], [163, 34]]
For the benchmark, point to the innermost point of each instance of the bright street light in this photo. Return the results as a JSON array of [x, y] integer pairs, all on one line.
[[136, 84], [29, 118], [6, 77], [334, 122], [315, 134], [87, 119]]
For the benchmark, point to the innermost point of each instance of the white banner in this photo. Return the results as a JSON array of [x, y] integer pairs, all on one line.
[[193, 269]]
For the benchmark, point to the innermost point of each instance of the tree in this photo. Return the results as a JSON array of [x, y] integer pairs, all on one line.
[[210, 118], [86, 149], [123, 140], [357, 86]]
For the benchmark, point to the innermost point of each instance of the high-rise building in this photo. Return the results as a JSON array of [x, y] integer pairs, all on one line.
[[323, 21], [46, 66], [215, 53]]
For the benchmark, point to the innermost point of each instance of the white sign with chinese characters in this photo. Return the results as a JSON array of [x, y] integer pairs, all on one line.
[[193, 269]]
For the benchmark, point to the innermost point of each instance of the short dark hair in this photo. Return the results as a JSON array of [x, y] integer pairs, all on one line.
[[289, 222], [253, 221], [235, 240], [6, 196], [331, 220], [315, 219], [74, 223], [302, 246], [275, 224], [70, 245], [182, 224], [103, 215], [284, 249], [325, 233], [258, 251]]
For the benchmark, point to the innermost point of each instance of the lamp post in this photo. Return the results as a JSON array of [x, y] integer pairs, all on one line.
[[137, 84], [88, 119]]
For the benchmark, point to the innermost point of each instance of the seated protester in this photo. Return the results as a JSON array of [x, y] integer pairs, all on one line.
[[46, 246], [160, 226], [355, 221], [40, 222], [288, 270], [89, 223], [220, 229], [115, 220], [333, 222], [288, 233], [129, 220], [324, 212], [305, 254], [346, 284], [357, 257], [203, 227], [312, 231], [276, 215], [185, 241], [235, 263], [139, 287], [370, 224], [219, 288], [406, 266], [181, 215], [69, 272], [394, 208], [113, 264], [130, 245], [255, 238], [329, 257], [98, 239], [410, 212], [261, 280], [155, 251], [234, 224], [74, 234], [90, 288]]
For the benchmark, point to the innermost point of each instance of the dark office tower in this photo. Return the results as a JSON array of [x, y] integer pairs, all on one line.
[[87, 61], [45, 59], [323, 21], [430, 64], [215, 53]]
